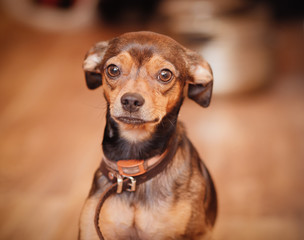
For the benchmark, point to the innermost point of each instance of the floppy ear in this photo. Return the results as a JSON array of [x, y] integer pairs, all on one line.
[[201, 81], [92, 63]]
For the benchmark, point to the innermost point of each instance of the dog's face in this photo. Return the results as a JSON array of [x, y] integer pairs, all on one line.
[[144, 75]]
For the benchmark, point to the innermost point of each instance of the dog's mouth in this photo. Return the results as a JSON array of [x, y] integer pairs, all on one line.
[[135, 121]]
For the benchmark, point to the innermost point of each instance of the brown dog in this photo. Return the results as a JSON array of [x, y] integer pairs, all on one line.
[[151, 183]]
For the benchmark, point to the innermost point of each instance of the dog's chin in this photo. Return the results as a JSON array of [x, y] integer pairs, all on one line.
[[135, 129]]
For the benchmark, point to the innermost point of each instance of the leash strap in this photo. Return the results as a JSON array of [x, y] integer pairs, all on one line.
[[126, 183]]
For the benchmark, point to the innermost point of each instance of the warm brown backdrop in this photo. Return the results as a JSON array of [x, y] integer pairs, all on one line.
[[51, 127]]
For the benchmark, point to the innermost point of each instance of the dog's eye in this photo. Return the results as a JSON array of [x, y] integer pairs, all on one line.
[[113, 71], [165, 75]]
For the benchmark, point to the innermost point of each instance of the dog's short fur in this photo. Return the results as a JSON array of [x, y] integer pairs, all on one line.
[[145, 77]]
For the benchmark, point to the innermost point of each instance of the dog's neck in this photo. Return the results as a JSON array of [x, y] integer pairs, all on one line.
[[116, 148]]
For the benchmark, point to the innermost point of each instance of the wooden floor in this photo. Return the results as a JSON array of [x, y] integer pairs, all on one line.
[[51, 127]]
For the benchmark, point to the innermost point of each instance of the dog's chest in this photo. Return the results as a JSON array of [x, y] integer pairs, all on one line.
[[121, 219]]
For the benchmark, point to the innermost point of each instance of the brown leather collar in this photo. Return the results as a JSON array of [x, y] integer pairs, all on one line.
[[133, 167], [126, 175]]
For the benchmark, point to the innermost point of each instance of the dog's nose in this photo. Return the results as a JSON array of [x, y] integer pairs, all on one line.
[[131, 102]]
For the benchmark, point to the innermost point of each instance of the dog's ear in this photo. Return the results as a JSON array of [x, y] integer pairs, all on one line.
[[91, 64], [201, 80]]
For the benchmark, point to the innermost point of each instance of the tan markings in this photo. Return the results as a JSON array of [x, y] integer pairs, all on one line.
[[136, 134], [125, 63], [116, 218], [158, 63], [174, 96], [163, 221], [87, 228]]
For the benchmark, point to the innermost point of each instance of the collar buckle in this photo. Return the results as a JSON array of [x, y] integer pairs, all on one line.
[[131, 184], [120, 184]]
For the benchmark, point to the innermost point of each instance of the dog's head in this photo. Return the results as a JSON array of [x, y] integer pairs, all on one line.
[[144, 75]]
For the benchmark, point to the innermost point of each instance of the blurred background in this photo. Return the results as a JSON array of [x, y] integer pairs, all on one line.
[[251, 137]]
